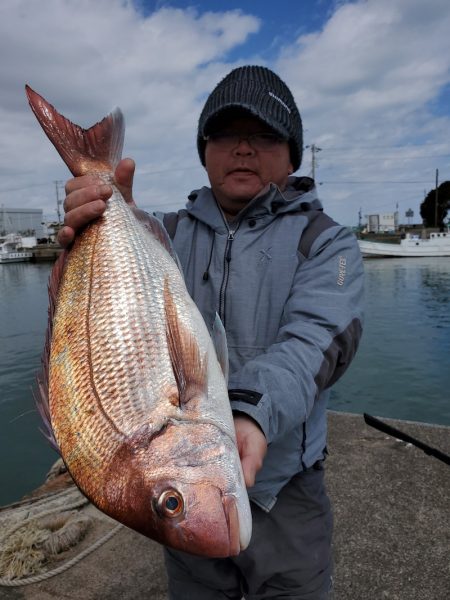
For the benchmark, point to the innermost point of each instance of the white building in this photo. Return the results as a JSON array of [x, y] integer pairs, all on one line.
[[26, 221], [382, 223]]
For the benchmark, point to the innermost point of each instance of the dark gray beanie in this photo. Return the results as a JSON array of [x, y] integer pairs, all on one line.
[[262, 93]]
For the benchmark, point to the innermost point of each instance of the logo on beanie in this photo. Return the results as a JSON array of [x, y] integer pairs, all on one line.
[[280, 101]]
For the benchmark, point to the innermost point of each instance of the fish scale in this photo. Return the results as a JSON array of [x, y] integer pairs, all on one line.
[[137, 399], [106, 327]]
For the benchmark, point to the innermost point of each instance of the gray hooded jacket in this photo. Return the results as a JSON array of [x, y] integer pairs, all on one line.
[[287, 282]]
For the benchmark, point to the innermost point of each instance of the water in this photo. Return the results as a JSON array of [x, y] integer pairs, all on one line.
[[401, 369], [25, 456], [402, 366]]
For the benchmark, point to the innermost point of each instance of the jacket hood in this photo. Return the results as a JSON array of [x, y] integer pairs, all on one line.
[[300, 195]]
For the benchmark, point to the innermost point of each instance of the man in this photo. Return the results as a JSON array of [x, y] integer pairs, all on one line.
[[287, 282]]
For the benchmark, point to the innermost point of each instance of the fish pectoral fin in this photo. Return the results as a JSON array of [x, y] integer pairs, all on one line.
[[219, 338], [189, 368]]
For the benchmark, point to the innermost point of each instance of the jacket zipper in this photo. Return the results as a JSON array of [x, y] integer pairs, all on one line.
[[226, 271], [226, 275]]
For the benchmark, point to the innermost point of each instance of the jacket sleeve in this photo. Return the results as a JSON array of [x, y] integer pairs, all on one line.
[[317, 339]]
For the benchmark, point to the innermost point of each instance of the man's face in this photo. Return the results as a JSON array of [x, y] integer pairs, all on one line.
[[237, 174]]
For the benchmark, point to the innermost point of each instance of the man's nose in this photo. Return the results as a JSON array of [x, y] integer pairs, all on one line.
[[244, 147]]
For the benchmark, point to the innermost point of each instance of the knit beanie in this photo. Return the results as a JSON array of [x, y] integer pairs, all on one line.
[[260, 92]]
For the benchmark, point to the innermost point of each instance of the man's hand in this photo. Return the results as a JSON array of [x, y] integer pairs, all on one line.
[[86, 198], [252, 446]]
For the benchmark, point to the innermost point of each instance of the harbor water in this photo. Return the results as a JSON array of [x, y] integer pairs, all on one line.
[[401, 370]]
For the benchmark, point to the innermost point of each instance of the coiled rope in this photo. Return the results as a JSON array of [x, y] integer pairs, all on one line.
[[81, 501]]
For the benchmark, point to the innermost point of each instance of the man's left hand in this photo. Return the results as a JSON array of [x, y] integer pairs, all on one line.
[[252, 446]]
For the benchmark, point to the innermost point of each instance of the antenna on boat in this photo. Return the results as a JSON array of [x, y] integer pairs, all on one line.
[[436, 196]]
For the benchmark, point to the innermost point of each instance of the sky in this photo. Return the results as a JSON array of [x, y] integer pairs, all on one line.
[[371, 79]]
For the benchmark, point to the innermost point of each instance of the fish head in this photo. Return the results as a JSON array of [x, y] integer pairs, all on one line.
[[198, 518], [183, 489]]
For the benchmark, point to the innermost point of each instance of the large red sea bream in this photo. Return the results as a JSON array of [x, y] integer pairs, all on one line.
[[137, 398]]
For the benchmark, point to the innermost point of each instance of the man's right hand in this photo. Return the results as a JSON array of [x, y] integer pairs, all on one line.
[[86, 198]]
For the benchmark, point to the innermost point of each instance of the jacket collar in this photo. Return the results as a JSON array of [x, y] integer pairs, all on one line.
[[300, 195]]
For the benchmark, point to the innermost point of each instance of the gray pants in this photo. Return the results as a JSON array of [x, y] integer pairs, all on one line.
[[289, 555]]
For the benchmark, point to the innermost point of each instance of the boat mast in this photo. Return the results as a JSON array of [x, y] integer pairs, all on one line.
[[436, 196]]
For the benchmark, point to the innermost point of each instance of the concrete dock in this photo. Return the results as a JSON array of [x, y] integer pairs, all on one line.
[[46, 252], [392, 527]]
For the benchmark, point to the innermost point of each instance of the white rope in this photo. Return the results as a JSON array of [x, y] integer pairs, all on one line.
[[61, 568], [33, 502], [45, 513], [38, 515]]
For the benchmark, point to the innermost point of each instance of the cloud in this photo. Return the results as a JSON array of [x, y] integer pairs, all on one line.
[[370, 84], [365, 83], [85, 57]]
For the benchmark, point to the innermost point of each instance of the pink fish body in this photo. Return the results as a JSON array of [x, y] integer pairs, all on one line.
[[138, 401]]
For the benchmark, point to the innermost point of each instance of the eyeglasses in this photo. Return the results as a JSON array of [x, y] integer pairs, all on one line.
[[258, 141]]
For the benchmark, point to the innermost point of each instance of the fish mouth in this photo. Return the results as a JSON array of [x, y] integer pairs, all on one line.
[[232, 516]]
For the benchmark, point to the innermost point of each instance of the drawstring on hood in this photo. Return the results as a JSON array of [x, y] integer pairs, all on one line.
[[300, 194], [206, 273]]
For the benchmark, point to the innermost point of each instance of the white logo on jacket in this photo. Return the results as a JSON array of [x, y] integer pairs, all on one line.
[[342, 270]]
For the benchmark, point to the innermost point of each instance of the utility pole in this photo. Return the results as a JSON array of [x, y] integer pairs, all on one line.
[[314, 150], [58, 201], [436, 194]]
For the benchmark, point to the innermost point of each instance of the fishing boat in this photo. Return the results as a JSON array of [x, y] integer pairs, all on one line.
[[12, 249], [437, 244]]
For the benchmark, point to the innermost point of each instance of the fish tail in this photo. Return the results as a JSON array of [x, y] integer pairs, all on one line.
[[96, 149]]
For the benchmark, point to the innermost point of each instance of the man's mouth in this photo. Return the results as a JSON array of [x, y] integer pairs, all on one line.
[[241, 171]]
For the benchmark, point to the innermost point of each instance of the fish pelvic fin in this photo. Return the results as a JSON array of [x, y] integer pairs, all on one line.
[[189, 368], [219, 338], [97, 149]]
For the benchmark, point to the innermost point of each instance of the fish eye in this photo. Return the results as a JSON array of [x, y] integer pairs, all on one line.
[[170, 503]]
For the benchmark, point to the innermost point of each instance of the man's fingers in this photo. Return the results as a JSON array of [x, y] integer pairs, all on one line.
[[250, 468], [80, 197], [86, 198], [83, 181], [78, 218], [252, 446], [65, 236]]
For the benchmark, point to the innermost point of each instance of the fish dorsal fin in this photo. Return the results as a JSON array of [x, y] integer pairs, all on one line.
[[189, 367], [41, 393], [219, 338], [97, 149], [158, 230]]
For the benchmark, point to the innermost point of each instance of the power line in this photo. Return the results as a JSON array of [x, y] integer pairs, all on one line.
[[143, 172], [138, 172], [380, 182], [24, 187], [390, 147], [383, 157]]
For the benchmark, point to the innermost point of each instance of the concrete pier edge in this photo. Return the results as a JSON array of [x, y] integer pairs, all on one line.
[[391, 504]]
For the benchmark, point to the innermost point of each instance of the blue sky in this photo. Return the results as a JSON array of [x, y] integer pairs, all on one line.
[[371, 79], [282, 21]]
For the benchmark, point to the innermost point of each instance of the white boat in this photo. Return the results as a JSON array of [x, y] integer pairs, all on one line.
[[437, 244], [12, 250]]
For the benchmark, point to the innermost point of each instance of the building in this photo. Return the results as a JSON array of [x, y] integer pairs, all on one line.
[[26, 221], [382, 223]]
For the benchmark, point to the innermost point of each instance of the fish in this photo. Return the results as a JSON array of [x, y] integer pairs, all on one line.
[[133, 383]]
